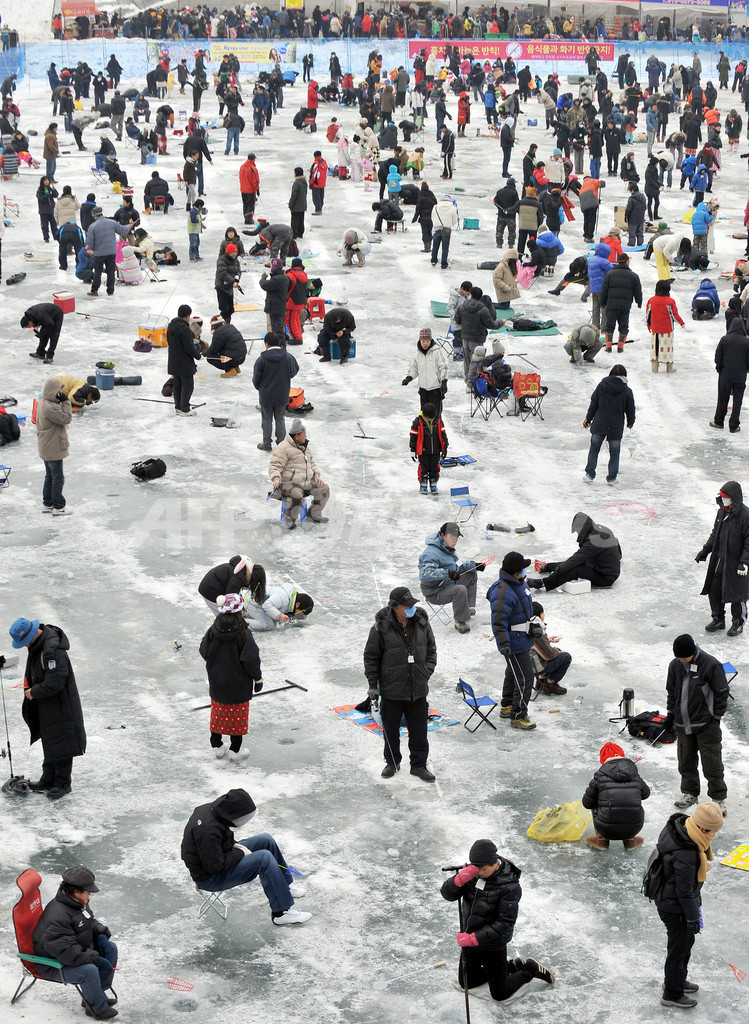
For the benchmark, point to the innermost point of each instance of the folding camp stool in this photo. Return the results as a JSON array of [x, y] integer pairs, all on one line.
[[527, 386], [394, 225], [438, 612], [485, 405], [302, 514], [461, 497], [446, 342], [180, 181], [476, 703], [730, 670], [211, 901], [100, 175], [132, 143]]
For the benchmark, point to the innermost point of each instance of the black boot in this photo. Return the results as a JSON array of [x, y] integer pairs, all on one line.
[[714, 625], [41, 786], [737, 626]]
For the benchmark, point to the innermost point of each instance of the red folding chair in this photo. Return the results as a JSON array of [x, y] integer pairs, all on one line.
[[529, 393]]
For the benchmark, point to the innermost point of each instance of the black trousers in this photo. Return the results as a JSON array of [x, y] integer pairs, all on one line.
[[718, 605], [706, 742], [435, 397], [617, 316], [183, 389], [580, 572], [297, 225], [415, 713], [225, 304], [57, 773], [48, 340], [729, 392], [248, 206], [429, 468], [318, 197], [678, 952], [589, 222], [523, 237], [100, 262], [344, 342], [231, 365], [612, 160], [518, 683], [482, 965]]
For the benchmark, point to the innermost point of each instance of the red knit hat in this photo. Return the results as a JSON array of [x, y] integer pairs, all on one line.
[[610, 750]]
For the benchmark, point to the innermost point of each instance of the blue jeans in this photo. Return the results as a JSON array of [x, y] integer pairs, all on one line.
[[258, 121], [100, 161], [201, 182], [95, 979], [51, 168], [264, 861], [54, 478], [194, 241], [595, 167], [232, 135], [437, 238], [615, 444]]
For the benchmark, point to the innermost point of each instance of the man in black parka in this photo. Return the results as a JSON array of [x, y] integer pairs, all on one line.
[[598, 558], [51, 706], [732, 366], [727, 579], [696, 699], [181, 361], [489, 890], [399, 658]]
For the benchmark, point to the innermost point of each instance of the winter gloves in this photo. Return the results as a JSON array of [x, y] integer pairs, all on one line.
[[406, 381], [258, 685], [373, 693], [469, 939], [693, 926], [701, 557], [505, 650], [479, 566], [466, 873], [454, 575], [742, 569], [444, 387]]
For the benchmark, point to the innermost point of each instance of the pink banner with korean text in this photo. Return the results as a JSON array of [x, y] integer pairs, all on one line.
[[518, 49]]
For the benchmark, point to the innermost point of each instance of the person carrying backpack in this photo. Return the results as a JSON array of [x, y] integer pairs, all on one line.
[[684, 847]]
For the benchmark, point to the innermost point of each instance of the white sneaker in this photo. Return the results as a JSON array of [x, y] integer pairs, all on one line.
[[192, 412], [296, 890], [588, 479], [722, 805], [62, 511], [238, 755], [219, 752], [292, 916]]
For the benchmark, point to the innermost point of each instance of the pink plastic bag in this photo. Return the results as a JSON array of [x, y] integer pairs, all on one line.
[[525, 276]]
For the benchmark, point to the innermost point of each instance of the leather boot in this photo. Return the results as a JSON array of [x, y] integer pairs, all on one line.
[[598, 842]]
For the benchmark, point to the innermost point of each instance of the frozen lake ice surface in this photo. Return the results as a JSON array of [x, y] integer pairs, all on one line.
[[120, 576]]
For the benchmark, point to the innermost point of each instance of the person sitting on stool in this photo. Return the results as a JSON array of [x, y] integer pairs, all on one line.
[[67, 931], [338, 326], [217, 863], [443, 581]]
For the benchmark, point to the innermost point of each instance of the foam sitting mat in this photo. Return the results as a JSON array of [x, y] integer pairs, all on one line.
[[738, 858], [247, 307], [439, 309], [436, 719]]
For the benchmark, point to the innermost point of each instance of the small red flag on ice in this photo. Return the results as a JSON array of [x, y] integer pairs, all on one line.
[[740, 975]]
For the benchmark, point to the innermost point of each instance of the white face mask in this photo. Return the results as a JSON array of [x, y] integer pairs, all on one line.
[[726, 501]]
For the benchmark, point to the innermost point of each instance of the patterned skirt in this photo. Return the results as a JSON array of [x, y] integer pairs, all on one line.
[[230, 719]]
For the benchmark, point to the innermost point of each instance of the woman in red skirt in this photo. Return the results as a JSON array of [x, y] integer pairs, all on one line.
[[232, 661]]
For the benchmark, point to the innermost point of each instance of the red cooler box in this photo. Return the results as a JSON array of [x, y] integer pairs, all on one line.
[[65, 300]]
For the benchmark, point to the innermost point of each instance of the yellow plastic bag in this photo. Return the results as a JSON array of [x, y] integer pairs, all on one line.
[[563, 823], [78, 105], [687, 218]]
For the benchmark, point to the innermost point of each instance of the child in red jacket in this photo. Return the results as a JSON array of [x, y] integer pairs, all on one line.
[[660, 313], [428, 445]]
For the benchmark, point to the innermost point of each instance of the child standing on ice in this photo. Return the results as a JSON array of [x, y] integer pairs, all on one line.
[[232, 662], [428, 445], [195, 221]]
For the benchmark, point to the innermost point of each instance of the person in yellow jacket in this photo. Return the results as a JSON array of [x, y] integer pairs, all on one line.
[[80, 394]]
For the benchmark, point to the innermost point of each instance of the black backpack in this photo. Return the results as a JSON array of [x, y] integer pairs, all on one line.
[[653, 878], [149, 469], [649, 726]]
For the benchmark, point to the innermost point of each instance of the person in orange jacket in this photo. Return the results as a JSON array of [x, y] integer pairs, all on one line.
[[464, 113], [249, 187]]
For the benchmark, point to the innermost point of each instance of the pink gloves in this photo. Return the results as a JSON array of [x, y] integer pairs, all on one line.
[[466, 939], [466, 873]]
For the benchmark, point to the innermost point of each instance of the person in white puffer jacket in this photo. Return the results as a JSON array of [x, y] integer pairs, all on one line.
[[429, 368], [285, 603]]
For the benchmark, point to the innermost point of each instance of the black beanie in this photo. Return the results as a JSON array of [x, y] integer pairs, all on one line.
[[482, 853], [684, 646]]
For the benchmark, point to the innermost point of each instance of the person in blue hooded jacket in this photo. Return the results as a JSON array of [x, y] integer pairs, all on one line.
[[551, 246], [701, 221], [512, 610], [443, 580], [705, 304], [688, 167], [598, 267], [698, 184]]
